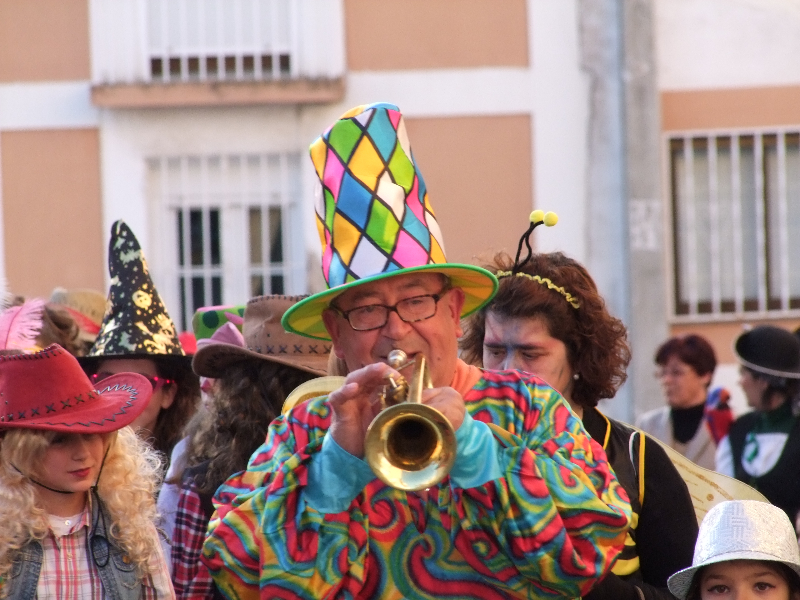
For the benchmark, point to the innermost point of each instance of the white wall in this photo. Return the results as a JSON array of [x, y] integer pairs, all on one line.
[[727, 43]]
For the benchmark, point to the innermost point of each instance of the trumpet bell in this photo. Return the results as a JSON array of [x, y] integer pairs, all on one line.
[[410, 446]]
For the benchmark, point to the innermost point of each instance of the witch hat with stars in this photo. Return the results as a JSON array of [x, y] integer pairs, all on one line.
[[136, 323]]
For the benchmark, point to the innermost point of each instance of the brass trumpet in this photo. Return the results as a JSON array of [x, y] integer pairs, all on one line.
[[409, 445]]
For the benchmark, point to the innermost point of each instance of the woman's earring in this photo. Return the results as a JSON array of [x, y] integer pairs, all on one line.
[[576, 376]]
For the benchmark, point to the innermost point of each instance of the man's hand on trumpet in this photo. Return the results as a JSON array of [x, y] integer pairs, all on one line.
[[358, 402]]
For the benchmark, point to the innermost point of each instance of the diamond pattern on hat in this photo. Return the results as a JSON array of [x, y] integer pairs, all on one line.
[[367, 260], [343, 138], [409, 252], [337, 271], [382, 132], [402, 169], [376, 215], [392, 194], [383, 227], [354, 201], [345, 237], [366, 164], [417, 229], [334, 171]]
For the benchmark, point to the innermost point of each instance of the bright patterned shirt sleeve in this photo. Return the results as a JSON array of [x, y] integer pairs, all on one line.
[[549, 527]]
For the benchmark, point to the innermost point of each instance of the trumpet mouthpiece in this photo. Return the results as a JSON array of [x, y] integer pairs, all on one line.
[[397, 358]]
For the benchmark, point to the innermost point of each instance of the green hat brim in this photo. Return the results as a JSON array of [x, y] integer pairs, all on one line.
[[479, 285]]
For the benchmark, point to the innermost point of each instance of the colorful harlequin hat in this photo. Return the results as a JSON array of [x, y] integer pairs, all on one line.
[[374, 216], [262, 339], [49, 390], [136, 323]]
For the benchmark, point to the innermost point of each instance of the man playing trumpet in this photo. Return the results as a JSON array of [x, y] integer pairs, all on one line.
[[530, 507]]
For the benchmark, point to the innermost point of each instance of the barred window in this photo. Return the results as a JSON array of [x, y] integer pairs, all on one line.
[[232, 229], [736, 224]]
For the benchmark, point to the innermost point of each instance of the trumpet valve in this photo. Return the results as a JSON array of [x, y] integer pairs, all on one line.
[[395, 391]]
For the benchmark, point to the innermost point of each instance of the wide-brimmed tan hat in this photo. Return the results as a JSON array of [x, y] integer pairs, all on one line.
[[264, 340], [740, 530]]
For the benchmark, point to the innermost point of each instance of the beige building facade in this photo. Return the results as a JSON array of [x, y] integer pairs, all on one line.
[[191, 119]]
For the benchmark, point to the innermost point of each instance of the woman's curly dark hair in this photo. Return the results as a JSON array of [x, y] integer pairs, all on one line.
[[597, 347], [244, 402], [172, 420]]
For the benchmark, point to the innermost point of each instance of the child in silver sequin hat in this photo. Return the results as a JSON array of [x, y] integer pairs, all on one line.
[[745, 549]]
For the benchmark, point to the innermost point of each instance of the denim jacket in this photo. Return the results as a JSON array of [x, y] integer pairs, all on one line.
[[117, 572]]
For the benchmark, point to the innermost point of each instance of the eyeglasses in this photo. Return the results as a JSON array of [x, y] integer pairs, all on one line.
[[155, 381], [670, 373], [410, 310]]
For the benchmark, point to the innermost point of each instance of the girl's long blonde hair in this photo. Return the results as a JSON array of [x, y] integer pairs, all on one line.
[[127, 485]]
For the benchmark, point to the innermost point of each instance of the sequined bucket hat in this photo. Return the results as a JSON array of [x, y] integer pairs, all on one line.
[[264, 339], [374, 216], [740, 530], [49, 390]]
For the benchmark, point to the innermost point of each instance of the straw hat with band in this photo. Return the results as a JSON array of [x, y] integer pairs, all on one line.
[[769, 350], [374, 217], [48, 390], [740, 530], [136, 323], [86, 306], [264, 339]]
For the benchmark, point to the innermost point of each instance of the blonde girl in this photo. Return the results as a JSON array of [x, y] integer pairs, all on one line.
[[76, 485]]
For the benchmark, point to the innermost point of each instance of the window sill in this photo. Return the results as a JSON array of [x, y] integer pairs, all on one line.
[[173, 95]]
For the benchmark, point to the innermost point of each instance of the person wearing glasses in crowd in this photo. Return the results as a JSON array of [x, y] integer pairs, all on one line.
[[548, 319], [696, 418], [530, 507], [77, 485], [137, 335]]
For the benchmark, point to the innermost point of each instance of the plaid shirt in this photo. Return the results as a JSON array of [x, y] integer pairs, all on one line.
[[191, 577], [69, 573]]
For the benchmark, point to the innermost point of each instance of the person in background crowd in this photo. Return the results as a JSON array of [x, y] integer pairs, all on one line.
[[205, 322], [252, 378], [87, 308], [696, 419], [137, 335], [76, 484], [530, 507], [32, 325], [548, 319], [762, 448], [746, 549]]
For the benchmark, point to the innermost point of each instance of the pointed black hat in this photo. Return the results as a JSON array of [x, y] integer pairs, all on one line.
[[136, 323]]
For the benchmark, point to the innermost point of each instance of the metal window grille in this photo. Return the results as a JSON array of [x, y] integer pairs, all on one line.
[[231, 226], [735, 224], [215, 40]]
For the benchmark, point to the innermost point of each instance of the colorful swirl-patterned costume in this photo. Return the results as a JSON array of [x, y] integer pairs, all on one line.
[[550, 527]]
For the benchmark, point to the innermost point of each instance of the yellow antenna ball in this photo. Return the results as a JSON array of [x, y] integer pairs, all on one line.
[[537, 216], [550, 219]]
